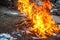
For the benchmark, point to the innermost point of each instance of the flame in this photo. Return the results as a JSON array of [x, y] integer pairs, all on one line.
[[40, 16]]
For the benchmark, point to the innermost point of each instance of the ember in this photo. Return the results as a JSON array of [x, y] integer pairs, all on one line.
[[43, 23]]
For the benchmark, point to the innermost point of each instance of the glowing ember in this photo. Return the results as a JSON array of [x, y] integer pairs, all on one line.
[[40, 16]]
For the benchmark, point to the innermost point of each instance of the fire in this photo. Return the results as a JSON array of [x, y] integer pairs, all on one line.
[[40, 16]]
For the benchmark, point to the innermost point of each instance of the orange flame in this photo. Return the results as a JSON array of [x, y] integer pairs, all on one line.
[[40, 16]]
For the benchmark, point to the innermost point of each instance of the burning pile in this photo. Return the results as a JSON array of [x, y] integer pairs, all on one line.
[[43, 24]]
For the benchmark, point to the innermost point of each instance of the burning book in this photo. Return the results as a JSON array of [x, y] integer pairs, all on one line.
[[43, 23]]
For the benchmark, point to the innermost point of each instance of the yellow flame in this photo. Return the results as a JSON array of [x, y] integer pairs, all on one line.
[[40, 16]]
